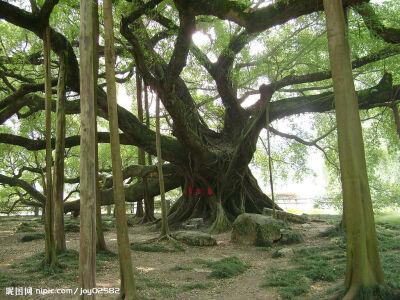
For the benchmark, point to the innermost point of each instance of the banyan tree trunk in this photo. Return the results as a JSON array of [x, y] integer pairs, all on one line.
[[201, 198]]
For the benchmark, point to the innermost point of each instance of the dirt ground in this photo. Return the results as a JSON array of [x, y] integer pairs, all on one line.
[[156, 268]]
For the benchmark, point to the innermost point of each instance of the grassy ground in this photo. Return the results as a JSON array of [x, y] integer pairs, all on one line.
[[325, 263], [312, 269]]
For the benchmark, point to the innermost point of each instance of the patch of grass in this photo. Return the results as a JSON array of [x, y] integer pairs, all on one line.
[[108, 224], [391, 263], [312, 264], [161, 288], [106, 255], [132, 221], [39, 220], [227, 267], [27, 227], [32, 236], [35, 266], [320, 264], [390, 219], [290, 283], [66, 269], [388, 239], [73, 224], [327, 263], [71, 227], [182, 268], [9, 280], [167, 247], [224, 268], [149, 247]]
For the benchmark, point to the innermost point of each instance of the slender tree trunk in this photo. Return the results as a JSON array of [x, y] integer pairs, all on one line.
[[271, 180], [164, 212], [88, 178], [148, 214], [50, 248], [147, 112], [364, 269], [100, 241], [127, 277], [108, 210], [396, 116], [141, 153], [149, 201], [58, 192]]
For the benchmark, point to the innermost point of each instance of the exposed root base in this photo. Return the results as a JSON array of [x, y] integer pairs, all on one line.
[[221, 223], [372, 293]]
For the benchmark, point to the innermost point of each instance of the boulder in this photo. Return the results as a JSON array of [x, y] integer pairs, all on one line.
[[256, 229], [194, 238], [285, 216], [291, 237]]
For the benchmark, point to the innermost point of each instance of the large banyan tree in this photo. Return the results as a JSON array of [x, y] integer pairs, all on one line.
[[204, 90]]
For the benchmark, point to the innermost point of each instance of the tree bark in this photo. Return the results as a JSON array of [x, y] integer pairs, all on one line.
[[364, 269], [271, 179], [164, 213], [149, 201], [50, 249], [141, 154], [58, 192], [127, 277], [87, 243], [100, 241], [396, 117]]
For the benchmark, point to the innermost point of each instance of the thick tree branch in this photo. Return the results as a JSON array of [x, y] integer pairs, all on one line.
[[133, 192], [182, 44], [260, 19], [380, 95], [46, 9], [72, 141], [371, 20], [358, 63], [16, 182], [324, 75]]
